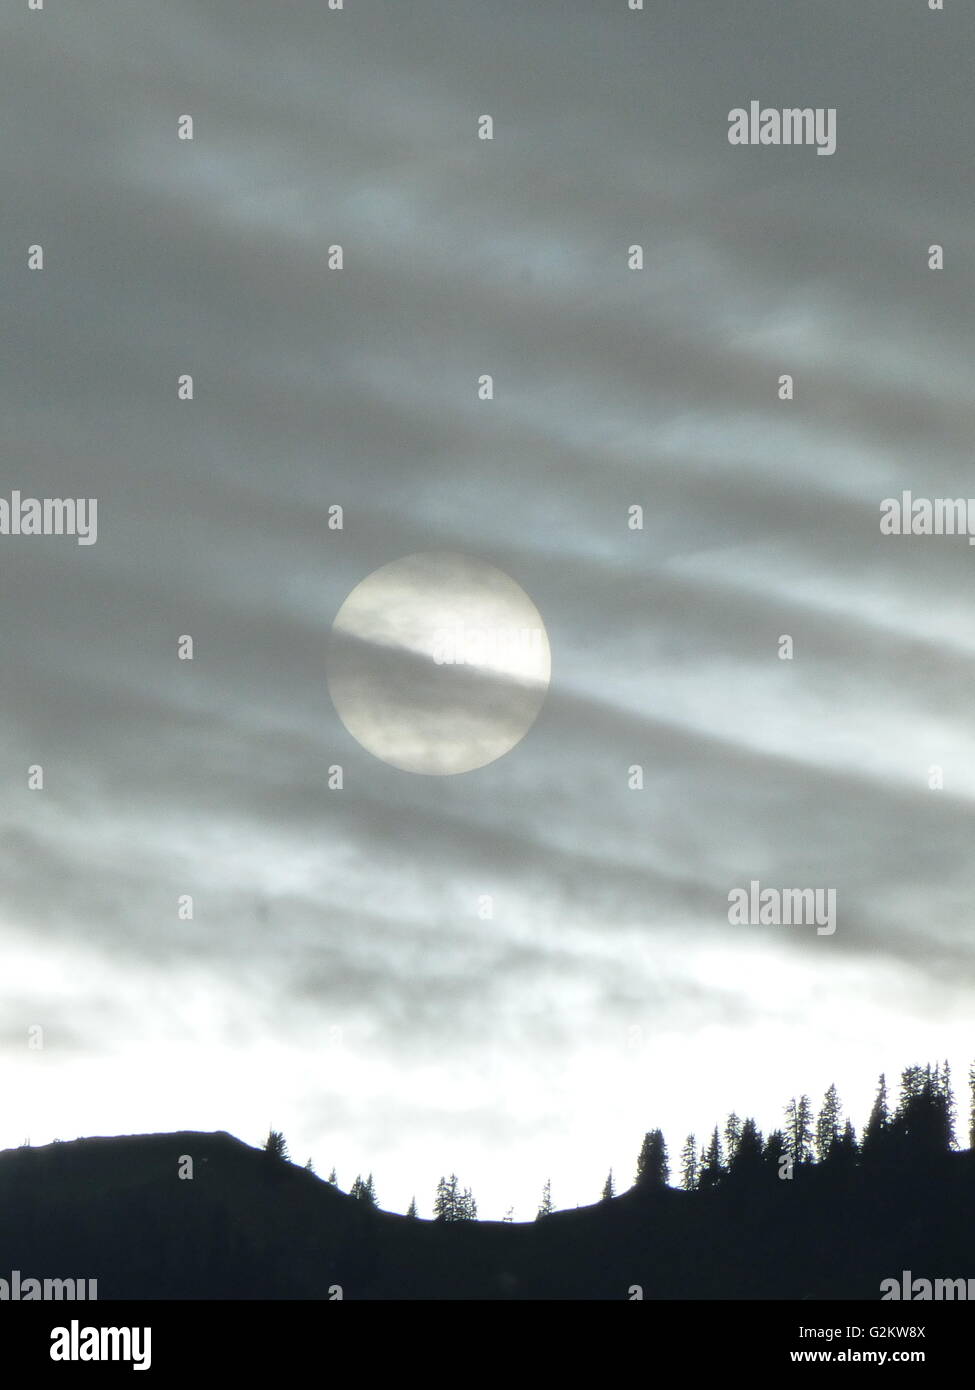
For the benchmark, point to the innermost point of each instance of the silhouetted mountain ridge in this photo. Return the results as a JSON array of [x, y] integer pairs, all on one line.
[[248, 1226]]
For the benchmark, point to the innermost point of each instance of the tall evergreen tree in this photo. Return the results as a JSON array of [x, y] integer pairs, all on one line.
[[748, 1150], [411, 1210], [689, 1166], [828, 1126], [450, 1204], [923, 1124], [364, 1190], [732, 1137], [445, 1202], [776, 1148], [653, 1166], [878, 1124], [275, 1146], [847, 1150], [609, 1188], [946, 1101], [545, 1207], [798, 1131], [712, 1166]]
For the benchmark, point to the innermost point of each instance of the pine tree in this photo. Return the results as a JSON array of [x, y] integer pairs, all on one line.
[[946, 1101], [712, 1165], [275, 1146], [309, 1167], [545, 1207], [828, 1126], [847, 1150], [689, 1167], [450, 1204], [748, 1151], [652, 1166], [732, 1136], [923, 1124], [799, 1129], [445, 1200], [333, 1178], [609, 1188], [876, 1132], [776, 1148], [411, 1210]]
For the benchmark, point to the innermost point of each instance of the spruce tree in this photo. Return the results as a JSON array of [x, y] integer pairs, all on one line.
[[653, 1167], [275, 1146], [450, 1204], [689, 1166], [847, 1151], [876, 1132], [828, 1126], [712, 1166], [748, 1152], [776, 1148], [799, 1129]]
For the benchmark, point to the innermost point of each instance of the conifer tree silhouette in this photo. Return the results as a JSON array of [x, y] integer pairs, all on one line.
[[876, 1132], [652, 1165], [776, 1148], [689, 1166], [275, 1146], [712, 1166], [846, 1150], [798, 1131], [828, 1126], [450, 1204], [747, 1159], [364, 1190]]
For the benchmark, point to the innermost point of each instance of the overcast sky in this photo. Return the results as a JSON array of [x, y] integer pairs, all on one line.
[[337, 980]]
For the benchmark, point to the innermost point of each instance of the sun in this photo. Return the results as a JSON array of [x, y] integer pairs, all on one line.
[[438, 663]]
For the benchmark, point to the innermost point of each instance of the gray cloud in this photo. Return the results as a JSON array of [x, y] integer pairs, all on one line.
[[358, 909]]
